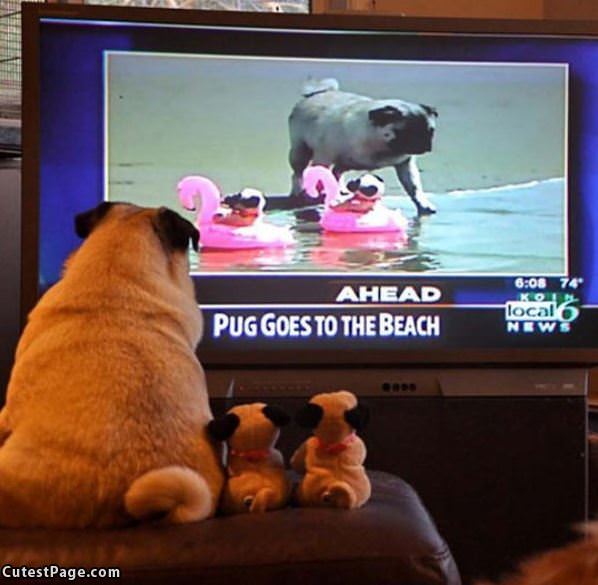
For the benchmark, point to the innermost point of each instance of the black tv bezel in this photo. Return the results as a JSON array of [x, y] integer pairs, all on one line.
[[34, 12]]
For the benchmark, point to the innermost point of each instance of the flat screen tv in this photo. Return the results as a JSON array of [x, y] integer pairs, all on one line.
[[368, 190]]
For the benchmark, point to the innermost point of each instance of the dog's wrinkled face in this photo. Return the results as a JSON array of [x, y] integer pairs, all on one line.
[[368, 185], [246, 199], [405, 128], [173, 231]]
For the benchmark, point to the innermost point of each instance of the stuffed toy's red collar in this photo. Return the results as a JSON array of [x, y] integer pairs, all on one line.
[[335, 448], [251, 455]]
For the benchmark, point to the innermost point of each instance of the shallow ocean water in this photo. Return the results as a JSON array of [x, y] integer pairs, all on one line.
[[507, 230]]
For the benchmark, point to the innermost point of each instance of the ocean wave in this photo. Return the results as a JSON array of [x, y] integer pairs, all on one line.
[[502, 188]]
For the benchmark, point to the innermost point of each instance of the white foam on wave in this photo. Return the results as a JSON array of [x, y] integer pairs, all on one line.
[[499, 188]]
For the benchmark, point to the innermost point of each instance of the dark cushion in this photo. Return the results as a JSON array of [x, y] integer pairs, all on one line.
[[391, 540]]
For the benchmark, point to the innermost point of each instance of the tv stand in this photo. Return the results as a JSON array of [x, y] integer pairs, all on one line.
[[498, 455]]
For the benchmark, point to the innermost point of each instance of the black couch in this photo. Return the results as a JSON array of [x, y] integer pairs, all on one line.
[[392, 540]]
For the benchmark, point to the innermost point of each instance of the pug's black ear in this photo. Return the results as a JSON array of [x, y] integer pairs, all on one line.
[[309, 416], [385, 115], [232, 199], [252, 201], [86, 222], [277, 415], [223, 428], [358, 417], [175, 231], [430, 110]]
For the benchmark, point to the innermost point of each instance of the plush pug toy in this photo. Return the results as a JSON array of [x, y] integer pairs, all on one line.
[[332, 459], [257, 479]]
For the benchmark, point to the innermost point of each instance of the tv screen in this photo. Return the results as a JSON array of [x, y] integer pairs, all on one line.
[[367, 191]]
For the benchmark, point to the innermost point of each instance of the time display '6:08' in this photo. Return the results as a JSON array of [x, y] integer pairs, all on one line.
[[532, 283]]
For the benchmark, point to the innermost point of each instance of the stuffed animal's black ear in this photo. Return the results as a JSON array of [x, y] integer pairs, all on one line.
[[358, 417], [277, 415], [223, 428], [86, 222], [385, 115], [175, 231], [309, 416]]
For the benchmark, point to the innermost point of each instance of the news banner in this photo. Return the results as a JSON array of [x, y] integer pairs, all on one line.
[[487, 311]]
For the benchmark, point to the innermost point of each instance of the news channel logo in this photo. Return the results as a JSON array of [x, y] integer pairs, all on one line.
[[542, 312]]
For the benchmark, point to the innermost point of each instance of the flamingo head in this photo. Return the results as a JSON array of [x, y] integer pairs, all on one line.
[[199, 194], [319, 179], [188, 191]]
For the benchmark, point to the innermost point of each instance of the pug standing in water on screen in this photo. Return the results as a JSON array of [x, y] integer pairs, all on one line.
[[107, 409], [347, 131]]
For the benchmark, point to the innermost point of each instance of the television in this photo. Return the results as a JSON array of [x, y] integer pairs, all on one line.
[[481, 135], [469, 327]]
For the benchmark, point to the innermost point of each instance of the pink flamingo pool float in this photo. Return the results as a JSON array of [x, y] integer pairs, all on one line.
[[337, 218], [226, 229]]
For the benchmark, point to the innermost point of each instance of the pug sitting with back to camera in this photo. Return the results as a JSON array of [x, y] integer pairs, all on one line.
[[107, 409], [346, 131]]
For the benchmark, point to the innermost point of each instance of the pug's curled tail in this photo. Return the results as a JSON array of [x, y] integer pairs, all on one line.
[[316, 86], [178, 493]]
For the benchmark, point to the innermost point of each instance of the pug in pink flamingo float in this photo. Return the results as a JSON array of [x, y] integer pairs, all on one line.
[[234, 222], [363, 211]]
